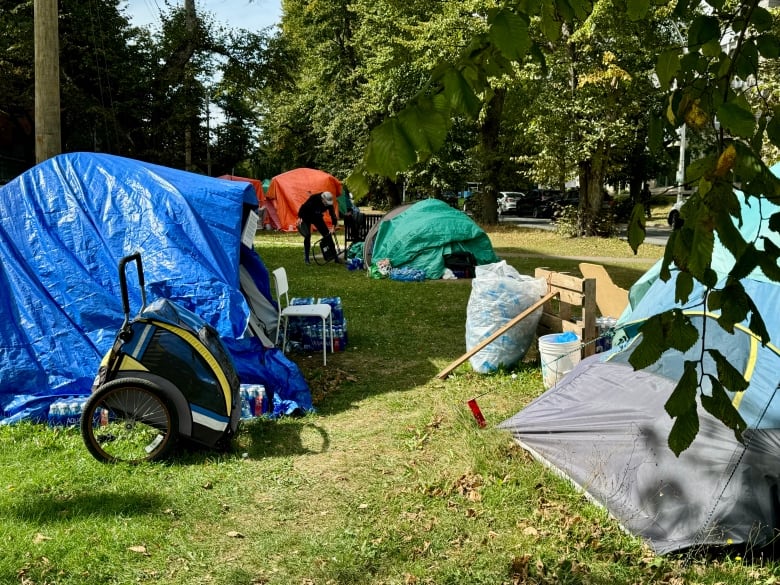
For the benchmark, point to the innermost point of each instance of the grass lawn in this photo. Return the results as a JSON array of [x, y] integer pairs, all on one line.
[[390, 482]]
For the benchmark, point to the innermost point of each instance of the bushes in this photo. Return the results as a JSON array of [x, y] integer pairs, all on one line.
[[570, 223]]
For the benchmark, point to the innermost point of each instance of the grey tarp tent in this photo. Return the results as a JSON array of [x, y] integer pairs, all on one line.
[[605, 428]]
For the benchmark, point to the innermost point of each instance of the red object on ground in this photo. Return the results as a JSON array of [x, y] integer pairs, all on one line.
[[477, 413]]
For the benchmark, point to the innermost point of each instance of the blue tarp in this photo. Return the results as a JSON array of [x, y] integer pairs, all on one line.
[[64, 226]]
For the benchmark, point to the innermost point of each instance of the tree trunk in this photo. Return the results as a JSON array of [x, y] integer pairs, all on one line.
[[591, 173], [491, 161]]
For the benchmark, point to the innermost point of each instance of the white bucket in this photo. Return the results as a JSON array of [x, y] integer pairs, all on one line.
[[558, 358]]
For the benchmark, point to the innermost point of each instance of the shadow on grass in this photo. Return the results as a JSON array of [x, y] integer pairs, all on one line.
[[262, 438], [46, 508]]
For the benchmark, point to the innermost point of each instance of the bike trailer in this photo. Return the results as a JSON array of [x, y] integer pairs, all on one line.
[[167, 377]]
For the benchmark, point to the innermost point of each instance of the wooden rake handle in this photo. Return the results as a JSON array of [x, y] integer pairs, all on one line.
[[448, 370]]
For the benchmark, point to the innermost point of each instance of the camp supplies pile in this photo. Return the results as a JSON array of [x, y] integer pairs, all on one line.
[[305, 333], [500, 293]]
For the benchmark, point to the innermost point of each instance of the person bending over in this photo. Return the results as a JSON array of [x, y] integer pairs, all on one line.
[[311, 214]]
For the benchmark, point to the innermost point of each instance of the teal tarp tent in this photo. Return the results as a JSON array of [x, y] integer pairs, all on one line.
[[420, 236]]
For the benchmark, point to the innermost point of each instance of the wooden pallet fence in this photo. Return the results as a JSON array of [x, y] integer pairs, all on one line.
[[572, 309]]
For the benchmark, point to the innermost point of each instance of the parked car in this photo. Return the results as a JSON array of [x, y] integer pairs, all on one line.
[[547, 202], [507, 201], [674, 214], [519, 203]]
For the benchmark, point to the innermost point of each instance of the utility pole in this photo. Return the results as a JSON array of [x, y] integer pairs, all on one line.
[[191, 23], [48, 138]]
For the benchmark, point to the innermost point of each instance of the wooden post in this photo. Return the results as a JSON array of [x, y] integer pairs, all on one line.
[[48, 138]]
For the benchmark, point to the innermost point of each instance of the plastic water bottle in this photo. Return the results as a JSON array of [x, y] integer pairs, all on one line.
[[55, 414], [246, 405], [260, 400], [74, 412]]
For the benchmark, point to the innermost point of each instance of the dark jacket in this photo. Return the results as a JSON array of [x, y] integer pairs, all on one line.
[[313, 208]]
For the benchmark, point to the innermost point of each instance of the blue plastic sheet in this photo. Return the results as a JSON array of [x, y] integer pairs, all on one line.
[[64, 226]]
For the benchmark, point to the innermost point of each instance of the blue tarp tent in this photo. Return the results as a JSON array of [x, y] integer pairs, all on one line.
[[64, 226]]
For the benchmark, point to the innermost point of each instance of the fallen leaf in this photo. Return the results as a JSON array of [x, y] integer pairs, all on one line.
[[140, 549], [39, 538], [234, 534]]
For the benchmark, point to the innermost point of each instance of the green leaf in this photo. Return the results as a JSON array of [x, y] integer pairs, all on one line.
[[681, 8], [737, 120], [683, 397], [768, 46], [681, 334], [426, 126], [358, 182], [684, 431], [667, 66], [637, 9], [746, 63], [704, 28], [702, 244], [746, 262], [711, 48], [751, 171], [683, 287], [581, 8], [761, 19], [655, 133], [719, 405], [734, 306], [683, 402], [648, 350], [460, 94], [551, 26], [774, 222], [757, 324], [390, 150], [509, 33], [699, 168], [636, 227], [728, 375]]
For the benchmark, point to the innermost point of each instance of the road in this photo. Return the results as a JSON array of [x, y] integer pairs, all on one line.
[[656, 234]]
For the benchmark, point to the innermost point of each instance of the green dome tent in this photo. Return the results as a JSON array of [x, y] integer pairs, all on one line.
[[422, 234]]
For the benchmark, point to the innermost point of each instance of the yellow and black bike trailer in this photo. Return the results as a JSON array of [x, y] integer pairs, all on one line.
[[167, 378]]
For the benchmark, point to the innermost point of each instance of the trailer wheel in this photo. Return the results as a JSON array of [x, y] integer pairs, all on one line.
[[128, 420]]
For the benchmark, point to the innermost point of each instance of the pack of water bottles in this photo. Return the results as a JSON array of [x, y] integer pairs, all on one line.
[[66, 411], [255, 401], [305, 334], [604, 329]]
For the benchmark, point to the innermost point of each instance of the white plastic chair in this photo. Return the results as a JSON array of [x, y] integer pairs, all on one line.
[[286, 310]]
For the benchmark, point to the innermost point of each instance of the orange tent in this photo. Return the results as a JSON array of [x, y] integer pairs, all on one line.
[[269, 219], [257, 184], [291, 189]]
